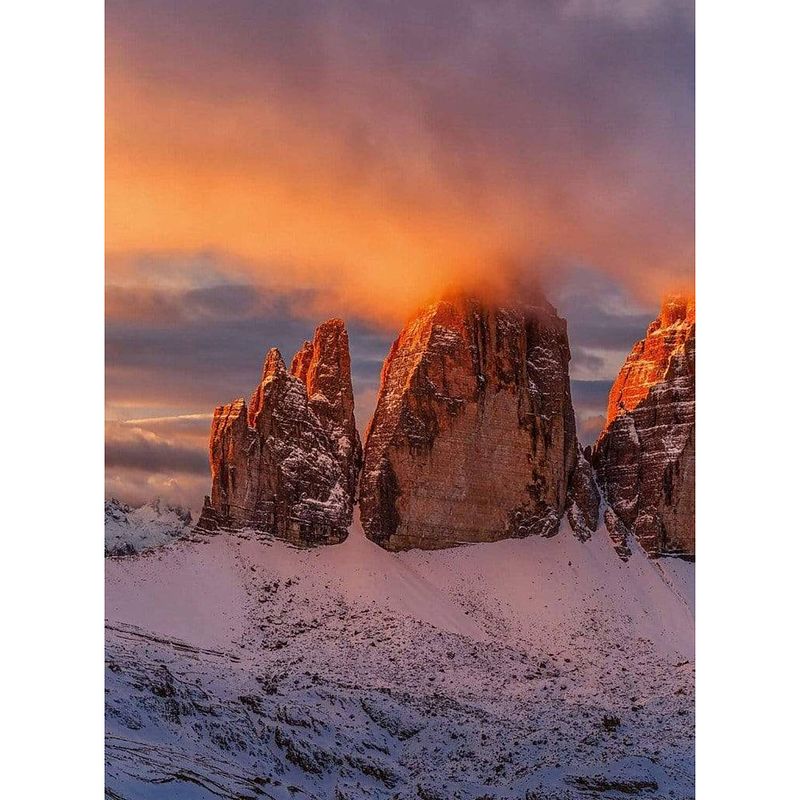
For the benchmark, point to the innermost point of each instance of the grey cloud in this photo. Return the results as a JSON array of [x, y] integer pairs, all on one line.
[[600, 311], [134, 449], [589, 427], [590, 399], [199, 366], [583, 358], [172, 306], [137, 487], [191, 361], [590, 394]]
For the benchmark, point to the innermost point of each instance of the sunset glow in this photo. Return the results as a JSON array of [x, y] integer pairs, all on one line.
[[336, 160]]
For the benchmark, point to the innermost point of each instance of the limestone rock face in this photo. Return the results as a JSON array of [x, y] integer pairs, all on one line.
[[286, 463], [473, 437], [645, 455]]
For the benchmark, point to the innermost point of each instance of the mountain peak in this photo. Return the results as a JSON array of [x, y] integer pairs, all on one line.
[[287, 466], [273, 364], [323, 367], [473, 438], [649, 361], [676, 309]]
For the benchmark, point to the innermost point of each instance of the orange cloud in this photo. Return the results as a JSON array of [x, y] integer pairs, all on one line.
[[382, 183]]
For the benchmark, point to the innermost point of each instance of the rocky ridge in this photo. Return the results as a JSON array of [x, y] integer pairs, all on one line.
[[472, 440], [583, 498]]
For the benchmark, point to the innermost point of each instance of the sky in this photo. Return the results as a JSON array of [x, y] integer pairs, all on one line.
[[273, 164]]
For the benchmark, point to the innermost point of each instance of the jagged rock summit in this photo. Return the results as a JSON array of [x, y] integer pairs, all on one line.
[[287, 463], [473, 438], [645, 455]]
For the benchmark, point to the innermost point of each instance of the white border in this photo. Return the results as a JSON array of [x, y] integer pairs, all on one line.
[[748, 134], [51, 62]]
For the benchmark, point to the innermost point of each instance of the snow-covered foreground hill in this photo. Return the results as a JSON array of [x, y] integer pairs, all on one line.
[[535, 668]]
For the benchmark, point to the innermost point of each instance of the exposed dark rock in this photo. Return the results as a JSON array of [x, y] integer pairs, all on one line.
[[618, 534]]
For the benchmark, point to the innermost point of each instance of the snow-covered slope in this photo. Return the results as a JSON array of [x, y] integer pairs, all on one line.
[[132, 530], [526, 668]]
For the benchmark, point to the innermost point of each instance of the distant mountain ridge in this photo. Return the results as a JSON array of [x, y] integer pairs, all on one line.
[[135, 529]]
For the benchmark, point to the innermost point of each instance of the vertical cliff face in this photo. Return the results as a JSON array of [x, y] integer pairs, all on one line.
[[473, 437], [645, 455], [286, 464]]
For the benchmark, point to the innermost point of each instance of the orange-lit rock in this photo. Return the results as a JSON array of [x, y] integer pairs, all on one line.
[[287, 463], [473, 437], [645, 455]]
